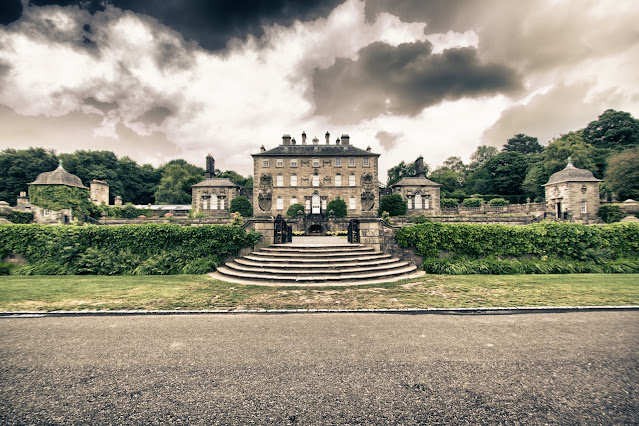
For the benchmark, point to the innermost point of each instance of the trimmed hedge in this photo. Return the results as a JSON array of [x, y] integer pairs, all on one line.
[[126, 249], [20, 217], [465, 243]]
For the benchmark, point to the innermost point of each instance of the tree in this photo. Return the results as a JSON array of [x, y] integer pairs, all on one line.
[[242, 205], [582, 154], [175, 183], [237, 178], [482, 154], [20, 167], [393, 204], [523, 144], [449, 180], [507, 171], [338, 206], [294, 209], [616, 130], [622, 175], [396, 173], [455, 164]]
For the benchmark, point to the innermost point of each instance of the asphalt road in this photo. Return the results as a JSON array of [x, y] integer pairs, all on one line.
[[568, 368]]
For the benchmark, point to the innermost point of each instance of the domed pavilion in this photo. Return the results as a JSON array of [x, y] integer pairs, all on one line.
[[573, 193]]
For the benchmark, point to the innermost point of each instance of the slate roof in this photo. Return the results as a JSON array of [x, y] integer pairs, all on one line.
[[572, 174], [216, 182], [316, 150], [58, 176], [415, 181]]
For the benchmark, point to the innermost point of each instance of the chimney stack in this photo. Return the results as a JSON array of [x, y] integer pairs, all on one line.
[[345, 139], [303, 138], [328, 137], [210, 167], [419, 167], [262, 149], [286, 139]]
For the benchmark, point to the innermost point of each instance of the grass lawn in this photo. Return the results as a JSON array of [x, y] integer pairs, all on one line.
[[51, 293]]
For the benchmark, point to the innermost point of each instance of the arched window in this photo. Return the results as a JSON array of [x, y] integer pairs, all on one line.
[[418, 201]]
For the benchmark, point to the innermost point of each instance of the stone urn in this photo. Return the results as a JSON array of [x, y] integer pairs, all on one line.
[[5, 210], [629, 207]]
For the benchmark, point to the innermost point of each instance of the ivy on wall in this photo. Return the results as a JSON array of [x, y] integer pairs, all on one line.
[[58, 197], [126, 249]]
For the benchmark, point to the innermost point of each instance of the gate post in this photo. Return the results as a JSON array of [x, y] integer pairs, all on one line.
[[353, 231]]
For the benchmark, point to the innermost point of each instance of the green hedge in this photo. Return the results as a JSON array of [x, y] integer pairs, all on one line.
[[127, 249], [20, 217], [463, 243]]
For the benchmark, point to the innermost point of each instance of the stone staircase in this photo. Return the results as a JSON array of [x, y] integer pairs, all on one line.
[[315, 265]]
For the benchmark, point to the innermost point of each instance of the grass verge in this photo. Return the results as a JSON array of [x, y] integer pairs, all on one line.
[[51, 293]]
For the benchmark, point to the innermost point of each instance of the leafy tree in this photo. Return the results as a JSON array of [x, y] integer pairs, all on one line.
[[507, 171], [396, 173], [611, 213], [616, 130], [473, 202], [20, 167], [448, 203], [622, 174], [292, 211], [175, 183], [449, 180], [242, 205], [498, 202], [582, 154], [482, 154], [532, 184], [393, 204], [338, 206], [237, 178], [455, 164], [523, 144]]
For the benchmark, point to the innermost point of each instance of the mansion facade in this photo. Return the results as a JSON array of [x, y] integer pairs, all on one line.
[[314, 174]]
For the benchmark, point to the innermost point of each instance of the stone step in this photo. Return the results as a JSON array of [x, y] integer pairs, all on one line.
[[307, 255], [283, 263], [302, 272], [322, 249], [310, 259], [315, 279]]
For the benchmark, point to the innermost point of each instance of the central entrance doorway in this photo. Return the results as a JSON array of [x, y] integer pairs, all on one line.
[[316, 204]]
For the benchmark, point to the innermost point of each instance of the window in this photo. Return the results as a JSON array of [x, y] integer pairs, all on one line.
[[308, 204], [323, 204], [293, 200], [279, 163], [46, 212], [351, 180], [427, 202], [351, 162], [205, 203], [264, 163], [214, 202], [280, 180], [315, 180], [351, 203], [338, 180], [315, 162], [409, 203], [221, 203], [584, 207], [366, 162], [418, 201], [338, 162], [294, 162], [279, 203], [293, 180]]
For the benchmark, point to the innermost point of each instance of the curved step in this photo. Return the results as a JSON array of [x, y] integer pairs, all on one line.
[[302, 272], [309, 264], [311, 255]]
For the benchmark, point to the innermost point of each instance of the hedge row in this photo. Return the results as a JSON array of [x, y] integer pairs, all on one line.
[[552, 240], [127, 249]]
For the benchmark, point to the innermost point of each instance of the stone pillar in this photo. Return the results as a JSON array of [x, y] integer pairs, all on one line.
[[22, 200]]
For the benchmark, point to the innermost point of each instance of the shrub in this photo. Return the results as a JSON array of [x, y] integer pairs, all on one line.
[[393, 204], [386, 218], [243, 205], [448, 203], [472, 202], [20, 217], [292, 211], [498, 202], [338, 206], [419, 219], [611, 213], [125, 249], [5, 268]]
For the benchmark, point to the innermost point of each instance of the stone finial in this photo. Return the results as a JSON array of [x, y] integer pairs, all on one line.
[[303, 138], [327, 136]]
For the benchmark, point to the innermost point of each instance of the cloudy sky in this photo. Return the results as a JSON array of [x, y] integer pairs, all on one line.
[[157, 80]]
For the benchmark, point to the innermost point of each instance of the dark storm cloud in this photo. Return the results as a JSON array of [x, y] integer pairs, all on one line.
[[213, 23], [386, 139], [404, 80], [155, 115], [102, 106]]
